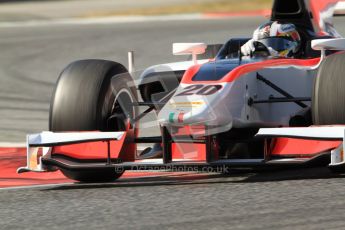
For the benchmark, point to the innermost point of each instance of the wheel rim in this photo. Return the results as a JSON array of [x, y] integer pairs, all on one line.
[[122, 112]]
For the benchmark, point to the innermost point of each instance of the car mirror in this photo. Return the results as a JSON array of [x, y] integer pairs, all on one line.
[[189, 49], [328, 44], [339, 9]]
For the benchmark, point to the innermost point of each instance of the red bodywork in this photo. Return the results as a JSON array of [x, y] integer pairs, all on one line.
[[248, 68], [317, 8], [279, 148], [122, 149]]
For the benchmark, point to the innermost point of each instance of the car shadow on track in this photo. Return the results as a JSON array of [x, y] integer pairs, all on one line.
[[238, 176], [292, 174]]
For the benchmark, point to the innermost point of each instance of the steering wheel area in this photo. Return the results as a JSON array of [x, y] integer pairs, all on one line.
[[260, 50]]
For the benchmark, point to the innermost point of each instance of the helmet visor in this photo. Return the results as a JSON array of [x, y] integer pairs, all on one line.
[[279, 44]]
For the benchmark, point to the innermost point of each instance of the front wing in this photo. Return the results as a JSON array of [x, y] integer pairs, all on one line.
[[49, 151]]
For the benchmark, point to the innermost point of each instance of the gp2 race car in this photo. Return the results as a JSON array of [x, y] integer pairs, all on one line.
[[224, 111]]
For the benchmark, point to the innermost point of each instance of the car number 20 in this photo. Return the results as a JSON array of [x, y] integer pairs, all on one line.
[[200, 90]]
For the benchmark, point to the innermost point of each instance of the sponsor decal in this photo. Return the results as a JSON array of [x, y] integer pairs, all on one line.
[[33, 160], [187, 104], [287, 28]]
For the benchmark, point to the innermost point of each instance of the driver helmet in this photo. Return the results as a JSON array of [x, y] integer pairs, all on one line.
[[281, 40]]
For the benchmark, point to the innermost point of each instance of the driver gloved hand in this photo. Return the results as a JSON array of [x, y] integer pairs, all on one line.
[[273, 52], [248, 48]]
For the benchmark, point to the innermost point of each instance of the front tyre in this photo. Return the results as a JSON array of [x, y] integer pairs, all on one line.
[[93, 95], [328, 102]]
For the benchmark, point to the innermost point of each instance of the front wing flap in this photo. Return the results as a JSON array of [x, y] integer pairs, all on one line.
[[312, 133], [39, 145]]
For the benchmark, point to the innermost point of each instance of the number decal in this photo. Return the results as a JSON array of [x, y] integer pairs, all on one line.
[[190, 90], [209, 90], [200, 90]]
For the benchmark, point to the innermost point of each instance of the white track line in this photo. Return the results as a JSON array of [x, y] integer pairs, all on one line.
[[23, 145], [115, 20], [78, 184], [102, 20], [12, 145], [35, 186]]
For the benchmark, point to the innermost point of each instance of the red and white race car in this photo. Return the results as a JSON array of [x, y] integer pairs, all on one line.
[[226, 112]]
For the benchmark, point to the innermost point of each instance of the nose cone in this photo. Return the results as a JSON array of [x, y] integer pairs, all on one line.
[[190, 107], [181, 112]]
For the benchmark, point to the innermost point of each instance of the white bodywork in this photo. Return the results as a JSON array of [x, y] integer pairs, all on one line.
[[50, 138], [316, 132], [198, 109], [229, 106]]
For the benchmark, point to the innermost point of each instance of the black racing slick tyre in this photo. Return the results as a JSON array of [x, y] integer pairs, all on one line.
[[93, 95], [328, 102]]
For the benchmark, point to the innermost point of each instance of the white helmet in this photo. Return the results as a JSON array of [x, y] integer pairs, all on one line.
[[280, 40]]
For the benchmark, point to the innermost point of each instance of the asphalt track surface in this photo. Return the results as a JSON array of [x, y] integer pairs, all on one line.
[[30, 60]]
